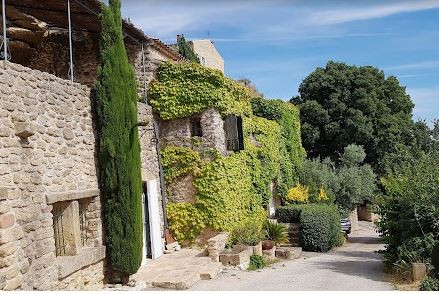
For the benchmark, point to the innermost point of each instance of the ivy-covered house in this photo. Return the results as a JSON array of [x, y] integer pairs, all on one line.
[[225, 153]]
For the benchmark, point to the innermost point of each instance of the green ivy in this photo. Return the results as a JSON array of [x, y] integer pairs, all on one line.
[[183, 89], [186, 221], [231, 190], [292, 153], [179, 161]]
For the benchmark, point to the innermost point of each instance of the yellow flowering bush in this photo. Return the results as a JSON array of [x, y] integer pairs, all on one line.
[[298, 194], [322, 195]]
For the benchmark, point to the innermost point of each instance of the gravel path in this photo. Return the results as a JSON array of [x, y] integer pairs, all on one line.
[[354, 266]]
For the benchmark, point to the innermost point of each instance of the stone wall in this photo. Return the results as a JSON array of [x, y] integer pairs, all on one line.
[[47, 157]]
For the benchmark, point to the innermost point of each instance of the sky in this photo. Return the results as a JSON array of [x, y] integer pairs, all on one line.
[[277, 43]]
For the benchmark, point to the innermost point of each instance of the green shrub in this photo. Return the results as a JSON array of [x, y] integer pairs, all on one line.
[[256, 262], [288, 214], [429, 284], [341, 239], [247, 234], [320, 227], [276, 232]]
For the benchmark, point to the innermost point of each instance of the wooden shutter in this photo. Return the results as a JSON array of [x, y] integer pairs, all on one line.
[[234, 133]]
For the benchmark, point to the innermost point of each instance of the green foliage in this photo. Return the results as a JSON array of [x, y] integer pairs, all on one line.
[[435, 257], [185, 50], [119, 153], [248, 233], [276, 232], [256, 262], [316, 174], [186, 221], [342, 105], [353, 155], [230, 189], [410, 206], [292, 153], [183, 89], [320, 227], [430, 284], [179, 161], [288, 214], [341, 239]]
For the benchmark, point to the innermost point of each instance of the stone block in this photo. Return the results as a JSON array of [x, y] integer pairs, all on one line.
[[178, 282], [257, 249], [14, 283], [288, 252], [269, 254], [24, 130], [6, 220], [10, 234], [9, 248], [238, 255], [71, 195], [216, 244], [211, 270], [2, 281], [419, 271]]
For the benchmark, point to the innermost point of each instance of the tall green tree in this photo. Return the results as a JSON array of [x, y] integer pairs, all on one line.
[[342, 105], [119, 154]]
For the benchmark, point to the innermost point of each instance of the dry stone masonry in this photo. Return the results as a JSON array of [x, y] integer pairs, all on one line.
[[47, 160]]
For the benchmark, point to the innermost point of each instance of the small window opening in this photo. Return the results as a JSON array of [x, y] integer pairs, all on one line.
[[83, 221], [196, 130]]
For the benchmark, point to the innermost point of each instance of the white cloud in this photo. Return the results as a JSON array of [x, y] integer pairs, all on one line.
[[337, 16], [432, 64]]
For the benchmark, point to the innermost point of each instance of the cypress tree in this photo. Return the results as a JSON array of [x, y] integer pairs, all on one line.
[[119, 151]]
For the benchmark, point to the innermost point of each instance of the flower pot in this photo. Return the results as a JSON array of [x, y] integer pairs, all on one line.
[[257, 249], [267, 244]]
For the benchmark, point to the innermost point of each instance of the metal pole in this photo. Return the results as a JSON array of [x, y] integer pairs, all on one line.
[[70, 42], [5, 41], [144, 74]]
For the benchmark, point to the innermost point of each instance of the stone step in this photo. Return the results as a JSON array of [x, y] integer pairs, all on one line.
[[173, 280], [211, 270], [288, 252]]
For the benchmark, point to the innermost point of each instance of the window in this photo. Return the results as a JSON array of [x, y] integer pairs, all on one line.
[[70, 223], [58, 228], [234, 133], [83, 222], [196, 130]]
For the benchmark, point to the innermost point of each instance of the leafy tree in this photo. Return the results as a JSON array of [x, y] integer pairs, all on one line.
[[410, 207], [119, 153], [342, 105], [186, 51]]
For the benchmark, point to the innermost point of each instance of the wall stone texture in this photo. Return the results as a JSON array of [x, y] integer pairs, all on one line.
[[47, 147]]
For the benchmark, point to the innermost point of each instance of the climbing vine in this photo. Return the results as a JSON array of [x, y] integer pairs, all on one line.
[[183, 89], [230, 190]]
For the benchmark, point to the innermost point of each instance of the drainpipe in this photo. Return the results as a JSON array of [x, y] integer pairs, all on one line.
[[70, 41], [162, 179], [5, 41]]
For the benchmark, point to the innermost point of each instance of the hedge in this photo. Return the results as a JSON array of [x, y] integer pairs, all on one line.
[[319, 224]]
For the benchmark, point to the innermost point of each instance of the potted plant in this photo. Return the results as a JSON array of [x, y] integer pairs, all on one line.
[[275, 234], [248, 235]]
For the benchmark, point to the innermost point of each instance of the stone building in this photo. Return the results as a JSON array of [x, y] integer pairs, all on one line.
[[208, 54], [205, 51], [51, 231]]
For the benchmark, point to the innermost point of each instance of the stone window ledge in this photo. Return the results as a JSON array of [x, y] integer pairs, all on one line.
[[71, 195], [70, 264]]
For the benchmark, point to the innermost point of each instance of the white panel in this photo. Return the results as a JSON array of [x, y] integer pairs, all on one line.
[[154, 219]]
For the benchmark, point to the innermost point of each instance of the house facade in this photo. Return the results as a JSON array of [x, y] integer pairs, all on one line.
[[51, 230]]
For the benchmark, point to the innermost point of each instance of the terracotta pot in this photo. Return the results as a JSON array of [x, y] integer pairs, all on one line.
[[267, 244]]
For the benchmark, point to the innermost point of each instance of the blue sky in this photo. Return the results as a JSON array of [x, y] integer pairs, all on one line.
[[277, 43]]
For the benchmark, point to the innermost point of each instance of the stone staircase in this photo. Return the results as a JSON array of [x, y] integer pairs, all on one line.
[[293, 233], [179, 270]]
